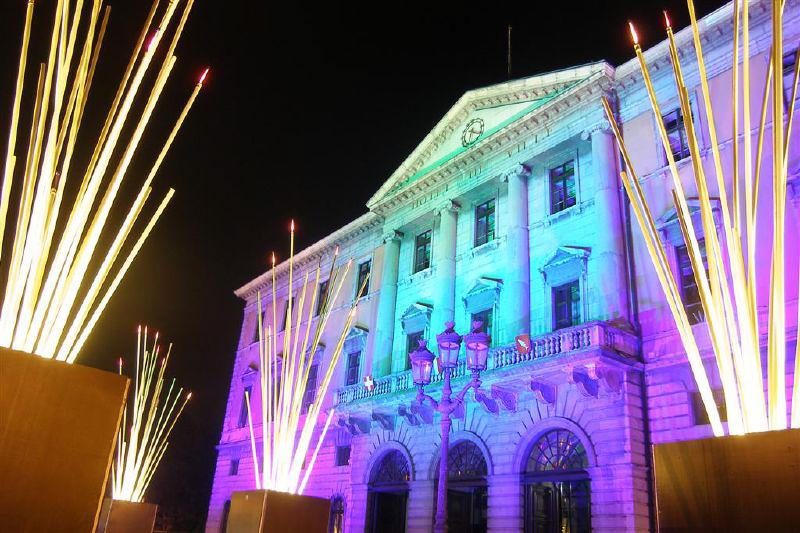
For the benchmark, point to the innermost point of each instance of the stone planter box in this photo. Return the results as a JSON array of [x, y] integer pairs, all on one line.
[[119, 516], [735, 483], [266, 511], [58, 426]]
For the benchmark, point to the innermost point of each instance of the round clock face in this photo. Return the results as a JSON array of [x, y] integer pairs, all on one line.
[[472, 132]]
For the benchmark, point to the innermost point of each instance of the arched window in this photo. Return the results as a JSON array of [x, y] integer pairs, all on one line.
[[558, 450], [466, 461], [336, 522], [467, 491], [557, 485], [387, 498], [392, 469]]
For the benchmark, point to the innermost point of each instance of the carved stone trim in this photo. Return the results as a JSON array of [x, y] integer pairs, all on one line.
[[544, 392], [356, 426], [506, 397], [384, 421], [406, 413], [488, 403], [424, 412], [519, 169]]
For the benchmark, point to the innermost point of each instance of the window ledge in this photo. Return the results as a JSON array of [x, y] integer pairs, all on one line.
[[576, 209], [484, 248], [418, 276]]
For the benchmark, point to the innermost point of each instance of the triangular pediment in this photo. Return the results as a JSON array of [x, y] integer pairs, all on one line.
[[356, 332], [566, 254], [483, 285], [481, 115]]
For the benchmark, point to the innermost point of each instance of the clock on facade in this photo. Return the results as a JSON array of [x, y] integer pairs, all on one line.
[[472, 132]]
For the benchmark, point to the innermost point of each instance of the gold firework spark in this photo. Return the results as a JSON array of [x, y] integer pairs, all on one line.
[[727, 290], [286, 439], [154, 410], [51, 300]]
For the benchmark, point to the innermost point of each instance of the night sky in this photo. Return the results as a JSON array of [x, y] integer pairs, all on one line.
[[307, 110]]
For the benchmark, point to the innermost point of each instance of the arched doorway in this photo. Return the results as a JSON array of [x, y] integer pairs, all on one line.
[[467, 493], [557, 485], [387, 496]]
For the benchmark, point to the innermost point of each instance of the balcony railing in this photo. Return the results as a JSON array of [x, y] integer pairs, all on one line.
[[589, 335]]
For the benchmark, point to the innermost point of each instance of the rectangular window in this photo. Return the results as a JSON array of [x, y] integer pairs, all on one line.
[[566, 305], [687, 283], [242, 422], [485, 316], [353, 364], [342, 455], [562, 187], [233, 469], [311, 388], [484, 223], [789, 60], [322, 295], [363, 277], [422, 251], [285, 315], [676, 133], [699, 410], [412, 344]]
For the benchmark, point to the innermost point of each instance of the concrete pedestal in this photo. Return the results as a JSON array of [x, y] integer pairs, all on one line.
[[266, 511], [119, 516], [58, 426], [736, 483]]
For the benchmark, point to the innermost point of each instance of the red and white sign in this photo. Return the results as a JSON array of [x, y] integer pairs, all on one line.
[[369, 383], [523, 343]]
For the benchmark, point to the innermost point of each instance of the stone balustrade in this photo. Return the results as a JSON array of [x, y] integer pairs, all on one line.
[[591, 335]]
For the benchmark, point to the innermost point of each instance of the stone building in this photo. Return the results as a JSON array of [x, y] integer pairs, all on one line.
[[511, 211]]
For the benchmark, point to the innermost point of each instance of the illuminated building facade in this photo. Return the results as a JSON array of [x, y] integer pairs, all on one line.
[[511, 212]]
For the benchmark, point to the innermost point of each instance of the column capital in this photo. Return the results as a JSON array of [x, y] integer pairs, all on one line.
[[448, 206], [392, 235], [602, 127], [519, 169]]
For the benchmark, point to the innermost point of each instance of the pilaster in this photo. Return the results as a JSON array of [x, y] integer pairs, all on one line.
[[515, 297], [445, 264], [385, 319], [607, 267]]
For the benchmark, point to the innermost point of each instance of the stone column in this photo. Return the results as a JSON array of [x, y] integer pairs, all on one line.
[[385, 319], [608, 253], [444, 261], [515, 302]]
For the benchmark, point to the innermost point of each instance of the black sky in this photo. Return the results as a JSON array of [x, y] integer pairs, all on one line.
[[308, 109]]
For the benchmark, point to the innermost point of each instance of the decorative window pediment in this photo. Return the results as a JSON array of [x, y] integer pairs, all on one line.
[[670, 227], [483, 294], [356, 339], [567, 263], [416, 317], [250, 373]]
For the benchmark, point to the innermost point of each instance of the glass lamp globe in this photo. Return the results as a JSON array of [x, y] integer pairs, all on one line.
[[449, 345], [421, 363], [477, 347]]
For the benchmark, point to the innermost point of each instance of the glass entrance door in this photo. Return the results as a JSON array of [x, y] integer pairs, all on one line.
[[466, 509], [387, 512], [558, 507]]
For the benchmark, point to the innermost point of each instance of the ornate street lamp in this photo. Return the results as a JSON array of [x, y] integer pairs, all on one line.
[[449, 343], [421, 364]]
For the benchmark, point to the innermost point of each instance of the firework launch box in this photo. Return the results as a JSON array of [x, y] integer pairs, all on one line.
[[58, 427], [267, 511], [734, 483], [118, 516]]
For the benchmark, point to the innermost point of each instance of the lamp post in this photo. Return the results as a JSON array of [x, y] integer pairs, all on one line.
[[449, 342]]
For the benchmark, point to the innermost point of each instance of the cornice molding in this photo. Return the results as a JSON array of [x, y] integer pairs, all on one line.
[[313, 253]]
